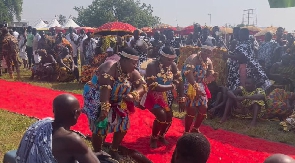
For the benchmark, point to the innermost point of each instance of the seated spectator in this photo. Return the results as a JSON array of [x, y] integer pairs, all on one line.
[[50, 140], [279, 158], [191, 148], [67, 70], [218, 105], [45, 69], [283, 73], [246, 102], [280, 104]]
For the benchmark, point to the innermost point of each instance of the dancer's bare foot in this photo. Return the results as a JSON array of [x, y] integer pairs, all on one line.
[[223, 119], [163, 140], [153, 142]]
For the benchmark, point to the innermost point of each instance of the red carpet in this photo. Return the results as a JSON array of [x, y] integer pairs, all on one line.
[[227, 147]]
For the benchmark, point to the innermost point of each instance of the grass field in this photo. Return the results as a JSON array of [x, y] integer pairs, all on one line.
[[12, 126]]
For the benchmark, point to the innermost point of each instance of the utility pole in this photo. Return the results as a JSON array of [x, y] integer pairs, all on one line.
[[210, 18], [248, 16]]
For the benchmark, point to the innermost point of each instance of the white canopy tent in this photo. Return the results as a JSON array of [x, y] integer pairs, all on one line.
[[70, 23], [54, 23], [40, 25]]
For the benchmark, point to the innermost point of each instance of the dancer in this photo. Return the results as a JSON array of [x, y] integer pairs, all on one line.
[[163, 79], [195, 71], [109, 97]]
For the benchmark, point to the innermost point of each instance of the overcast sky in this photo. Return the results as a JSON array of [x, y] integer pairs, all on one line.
[[176, 12]]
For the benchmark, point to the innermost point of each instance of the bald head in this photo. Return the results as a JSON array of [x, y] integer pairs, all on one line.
[[66, 109], [279, 158]]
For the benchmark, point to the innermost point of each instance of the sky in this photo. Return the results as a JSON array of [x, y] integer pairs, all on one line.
[[176, 12]]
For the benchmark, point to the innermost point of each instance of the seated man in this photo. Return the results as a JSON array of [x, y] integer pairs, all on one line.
[[50, 140], [46, 68], [191, 148], [246, 102]]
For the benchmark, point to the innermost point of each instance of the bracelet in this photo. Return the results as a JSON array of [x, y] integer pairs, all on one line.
[[105, 86], [144, 86], [196, 86], [151, 77], [135, 95], [154, 85], [182, 99], [174, 86], [106, 106]]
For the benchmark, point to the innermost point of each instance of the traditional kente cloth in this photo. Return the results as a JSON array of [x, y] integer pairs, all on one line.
[[36, 144], [248, 103], [277, 103], [288, 71], [194, 100], [65, 75], [253, 68], [266, 52], [156, 99], [88, 70], [58, 48], [118, 117]]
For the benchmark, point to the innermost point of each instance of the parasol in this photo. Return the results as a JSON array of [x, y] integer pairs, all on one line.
[[147, 30], [164, 27], [115, 28], [187, 30], [86, 29], [264, 31], [225, 30], [253, 28], [281, 3]]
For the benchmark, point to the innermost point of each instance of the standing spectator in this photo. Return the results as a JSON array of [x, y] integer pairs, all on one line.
[[73, 39], [30, 38], [36, 39], [14, 32]]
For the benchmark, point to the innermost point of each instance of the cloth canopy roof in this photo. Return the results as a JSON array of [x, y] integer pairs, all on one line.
[[40, 24], [54, 23], [70, 23]]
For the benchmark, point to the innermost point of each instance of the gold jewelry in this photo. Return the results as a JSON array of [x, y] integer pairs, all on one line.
[[154, 85], [151, 77], [167, 55], [105, 75], [135, 95], [114, 150], [122, 76], [106, 106], [133, 57], [154, 137], [196, 86], [190, 116], [160, 121], [105, 86], [174, 86], [145, 89], [167, 76]]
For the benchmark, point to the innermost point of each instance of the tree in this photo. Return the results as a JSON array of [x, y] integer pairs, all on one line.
[[62, 19], [129, 11], [10, 9]]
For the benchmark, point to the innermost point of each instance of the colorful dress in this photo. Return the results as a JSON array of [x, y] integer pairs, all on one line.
[[118, 116], [248, 103], [277, 103], [65, 75], [199, 72], [156, 99]]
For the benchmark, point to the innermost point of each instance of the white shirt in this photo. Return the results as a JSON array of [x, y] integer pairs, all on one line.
[[36, 39], [81, 43], [74, 46], [15, 34]]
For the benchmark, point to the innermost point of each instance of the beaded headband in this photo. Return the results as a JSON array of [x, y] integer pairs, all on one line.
[[133, 57], [167, 55]]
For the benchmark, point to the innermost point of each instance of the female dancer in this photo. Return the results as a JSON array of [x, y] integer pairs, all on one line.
[[195, 70], [163, 79], [109, 97]]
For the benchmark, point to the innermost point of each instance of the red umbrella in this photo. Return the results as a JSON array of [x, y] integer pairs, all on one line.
[[163, 27], [86, 29], [115, 28], [147, 30], [187, 30]]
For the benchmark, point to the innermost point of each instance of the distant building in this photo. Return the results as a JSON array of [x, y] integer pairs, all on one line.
[[18, 24]]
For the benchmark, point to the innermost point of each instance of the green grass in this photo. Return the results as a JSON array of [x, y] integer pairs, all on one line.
[[12, 126]]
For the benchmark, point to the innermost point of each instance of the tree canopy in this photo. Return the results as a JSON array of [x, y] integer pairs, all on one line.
[[10, 9], [62, 19], [129, 11]]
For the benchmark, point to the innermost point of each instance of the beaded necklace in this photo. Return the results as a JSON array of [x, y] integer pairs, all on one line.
[[122, 76], [168, 75]]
